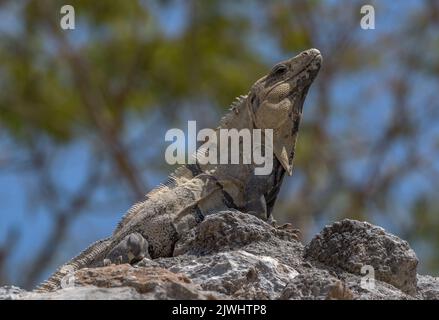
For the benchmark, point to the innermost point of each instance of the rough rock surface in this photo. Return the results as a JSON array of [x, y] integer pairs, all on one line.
[[316, 286], [232, 255], [354, 245]]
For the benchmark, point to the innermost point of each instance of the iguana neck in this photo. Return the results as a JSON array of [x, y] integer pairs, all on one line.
[[239, 116]]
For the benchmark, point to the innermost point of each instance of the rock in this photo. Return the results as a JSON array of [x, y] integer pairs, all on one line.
[[316, 286], [10, 293], [233, 255], [428, 287], [154, 282], [226, 230], [237, 274], [89, 293], [124, 282], [353, 245]]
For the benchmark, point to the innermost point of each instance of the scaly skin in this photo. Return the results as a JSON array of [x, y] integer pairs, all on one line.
[[151, 228]]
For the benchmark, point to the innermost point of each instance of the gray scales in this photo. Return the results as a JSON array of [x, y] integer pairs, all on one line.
[[151, 228]]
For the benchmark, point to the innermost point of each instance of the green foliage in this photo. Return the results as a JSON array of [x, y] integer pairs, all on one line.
[[129, 62]]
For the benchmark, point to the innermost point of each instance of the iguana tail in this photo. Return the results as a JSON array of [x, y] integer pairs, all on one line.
[[83, 260]]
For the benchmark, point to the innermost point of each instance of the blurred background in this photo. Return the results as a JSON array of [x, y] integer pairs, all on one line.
[[83, 114]]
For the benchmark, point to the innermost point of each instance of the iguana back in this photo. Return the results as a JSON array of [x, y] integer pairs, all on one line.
[[151, 228]]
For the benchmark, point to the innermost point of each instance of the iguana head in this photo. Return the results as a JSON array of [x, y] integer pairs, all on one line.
[[276, 100]]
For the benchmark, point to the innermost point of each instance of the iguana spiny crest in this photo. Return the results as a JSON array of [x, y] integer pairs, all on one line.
[[275, 102], [151, 228]]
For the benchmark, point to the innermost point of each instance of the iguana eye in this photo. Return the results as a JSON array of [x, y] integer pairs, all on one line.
[[279, 69]]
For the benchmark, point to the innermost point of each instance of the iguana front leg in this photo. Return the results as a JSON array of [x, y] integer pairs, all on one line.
[[256, 205], [255, 202], [131, 249]]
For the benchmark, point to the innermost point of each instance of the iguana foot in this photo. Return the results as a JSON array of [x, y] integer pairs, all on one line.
[[131, 249]]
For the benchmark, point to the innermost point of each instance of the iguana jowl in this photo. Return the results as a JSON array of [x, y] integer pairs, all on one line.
[[151, 228]]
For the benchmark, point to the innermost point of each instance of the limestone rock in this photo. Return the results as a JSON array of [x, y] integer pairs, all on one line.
[[233, 255], [227, 230], [316, 286], [353, 245]]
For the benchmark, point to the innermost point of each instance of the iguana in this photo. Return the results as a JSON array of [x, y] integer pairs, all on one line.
[[151, 228]]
